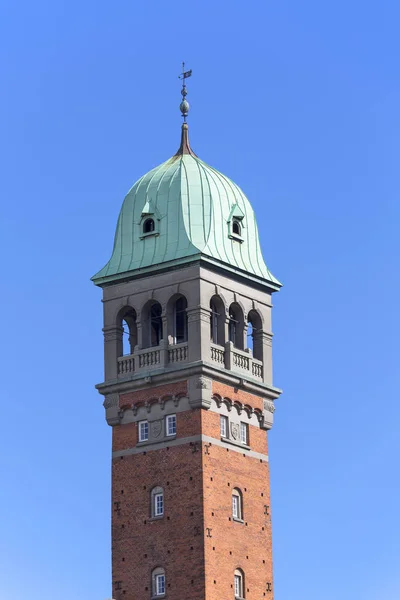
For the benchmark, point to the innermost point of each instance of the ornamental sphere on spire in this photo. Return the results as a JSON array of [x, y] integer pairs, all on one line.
[[184, 108]]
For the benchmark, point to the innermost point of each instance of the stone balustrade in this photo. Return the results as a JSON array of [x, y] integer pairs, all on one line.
[[126, 365], [218, 354], [152, 358], [177, 353], [228, 357]]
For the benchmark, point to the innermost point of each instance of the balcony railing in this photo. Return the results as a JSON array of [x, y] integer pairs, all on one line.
[[163, 356], [152, 358], [218, 354], [177, 353], [233, 359], [126, 365]]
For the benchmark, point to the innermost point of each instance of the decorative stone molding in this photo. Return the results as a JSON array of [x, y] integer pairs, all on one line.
[[111, 400], [235, 431], [156, 428], [268, 405], [200, 392], [203, 383], [111, 404], [268, 414]]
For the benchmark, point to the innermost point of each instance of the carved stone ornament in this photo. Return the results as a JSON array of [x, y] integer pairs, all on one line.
[[235, 431], [203, 383], [111, 400], [269, 406], [156, 428]]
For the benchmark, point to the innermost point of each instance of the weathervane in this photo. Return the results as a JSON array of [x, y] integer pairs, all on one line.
[[184, 105]]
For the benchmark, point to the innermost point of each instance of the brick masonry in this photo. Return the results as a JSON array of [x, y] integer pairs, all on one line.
[[196, 542]]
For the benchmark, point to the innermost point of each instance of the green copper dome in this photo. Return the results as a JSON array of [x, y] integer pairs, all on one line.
[[181, 211]]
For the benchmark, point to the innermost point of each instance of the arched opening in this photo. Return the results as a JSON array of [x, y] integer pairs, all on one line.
[[238, 584], [158, 583], [152, 325], [156, 326], [236, 325], [149, 226], [254, 334], [180, 320], [217, 317], [237, 504], [127, 321], [236, 228]]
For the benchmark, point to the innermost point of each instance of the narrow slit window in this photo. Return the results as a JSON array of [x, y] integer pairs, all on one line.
[[224, 426], [244, 433], [238, 584], [158, 582], [143, 431], [237, 508], [171, 425], [159, 504]]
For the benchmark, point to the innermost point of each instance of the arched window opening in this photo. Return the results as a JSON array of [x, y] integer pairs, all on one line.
[[156, 326], [237, 505], [148, 226], [217, 333], [236, 228], [254, 334], [158, 582], [127, 319], [180, 320], [239, 583], [157, 502], [236, 325], [250, 333]]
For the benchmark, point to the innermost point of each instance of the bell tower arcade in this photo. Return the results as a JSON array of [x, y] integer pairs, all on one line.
[[188, 388]]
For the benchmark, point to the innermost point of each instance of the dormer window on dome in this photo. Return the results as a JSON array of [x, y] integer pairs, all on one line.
[[235, 223], [149, 221], [149, 226], [236, 229]]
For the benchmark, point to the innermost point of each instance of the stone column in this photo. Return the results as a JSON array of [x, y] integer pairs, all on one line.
[[229, 355], [266, 339], [112, 350], [199, 334], [140, 340], [245, 329]]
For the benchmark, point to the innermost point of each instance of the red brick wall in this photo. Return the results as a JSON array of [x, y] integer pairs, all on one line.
[[234, 545], [198, 484], [174, 542]]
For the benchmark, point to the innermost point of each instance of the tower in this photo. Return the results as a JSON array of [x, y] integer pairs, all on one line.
[[188, 387]]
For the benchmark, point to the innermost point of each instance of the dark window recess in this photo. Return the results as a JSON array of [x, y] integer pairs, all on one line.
[[156, 324], [148, 226], [180, 321], [236, 230]]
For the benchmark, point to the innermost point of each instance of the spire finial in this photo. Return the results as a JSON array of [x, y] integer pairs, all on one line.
[[184, 105]]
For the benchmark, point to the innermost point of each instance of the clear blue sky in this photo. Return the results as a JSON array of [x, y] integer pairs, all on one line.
[[298, 102]]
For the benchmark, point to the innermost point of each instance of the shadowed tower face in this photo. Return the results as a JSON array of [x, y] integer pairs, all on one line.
[[188, 388]]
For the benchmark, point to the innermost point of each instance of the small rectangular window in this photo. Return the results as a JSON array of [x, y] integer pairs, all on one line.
[[158, 505], [235, 507], [160, 585], [238, 586], [143, 431], [243, 433], [171, 424], [224, 426]]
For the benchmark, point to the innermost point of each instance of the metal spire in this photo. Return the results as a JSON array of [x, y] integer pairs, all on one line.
[[184, 105]]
